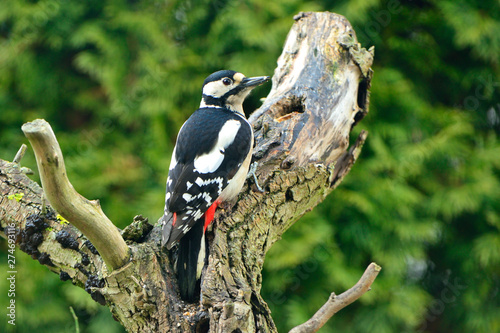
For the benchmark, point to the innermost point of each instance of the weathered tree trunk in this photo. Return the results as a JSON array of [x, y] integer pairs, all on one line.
[[320, 90]]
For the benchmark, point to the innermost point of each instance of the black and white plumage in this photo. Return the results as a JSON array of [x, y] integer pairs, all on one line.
[[209, 165]]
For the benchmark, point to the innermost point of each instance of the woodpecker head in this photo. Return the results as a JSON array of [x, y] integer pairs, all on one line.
[[229, 89]]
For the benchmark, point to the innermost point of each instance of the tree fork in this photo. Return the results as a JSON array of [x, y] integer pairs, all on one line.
[[320, 91]]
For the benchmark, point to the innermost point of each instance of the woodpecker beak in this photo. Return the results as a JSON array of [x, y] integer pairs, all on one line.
[[254, 81]]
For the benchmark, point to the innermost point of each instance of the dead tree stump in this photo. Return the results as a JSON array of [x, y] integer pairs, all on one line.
[[320, 91]]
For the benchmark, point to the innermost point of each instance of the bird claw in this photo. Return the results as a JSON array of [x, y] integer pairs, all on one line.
[[251, 174]]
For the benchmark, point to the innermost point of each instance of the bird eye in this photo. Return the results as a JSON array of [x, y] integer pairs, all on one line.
[[227, 81]]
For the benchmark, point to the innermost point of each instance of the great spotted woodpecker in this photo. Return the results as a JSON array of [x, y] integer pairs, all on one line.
[[209, 165]]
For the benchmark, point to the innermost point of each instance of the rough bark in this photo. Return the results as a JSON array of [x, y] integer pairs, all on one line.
[[320, 91], [87, 216]]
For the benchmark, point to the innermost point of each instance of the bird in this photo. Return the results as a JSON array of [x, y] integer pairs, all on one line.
[[209, 166]]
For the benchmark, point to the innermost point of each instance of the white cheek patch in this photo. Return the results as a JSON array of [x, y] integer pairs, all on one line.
[[215, 89], [211, 161]]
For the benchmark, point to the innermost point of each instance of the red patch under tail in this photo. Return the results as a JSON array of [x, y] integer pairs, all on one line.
[[175, 219], [209, 214]]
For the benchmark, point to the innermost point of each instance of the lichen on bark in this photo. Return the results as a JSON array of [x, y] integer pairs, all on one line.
[[320, 91]]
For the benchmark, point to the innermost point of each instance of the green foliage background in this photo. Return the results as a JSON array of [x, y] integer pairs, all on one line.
[[116, 79]]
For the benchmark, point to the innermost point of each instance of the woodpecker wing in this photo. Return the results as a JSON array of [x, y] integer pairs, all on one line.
[[211, 147]]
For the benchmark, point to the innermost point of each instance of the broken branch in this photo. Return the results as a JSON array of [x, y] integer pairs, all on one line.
[[336, 303], [87, 216], [20, 154]]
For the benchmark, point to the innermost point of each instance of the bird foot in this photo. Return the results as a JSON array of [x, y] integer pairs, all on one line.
[[251, 174]]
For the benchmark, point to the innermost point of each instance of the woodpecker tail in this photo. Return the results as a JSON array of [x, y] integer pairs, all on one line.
[[190, 262]]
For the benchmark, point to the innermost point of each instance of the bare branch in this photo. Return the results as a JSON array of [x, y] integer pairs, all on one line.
[[336, 303], [320, 91], [20, 154], [85, 215]]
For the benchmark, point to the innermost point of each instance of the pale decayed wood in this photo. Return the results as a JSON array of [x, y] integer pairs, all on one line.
[[302, 135], [320, 90], [85, 215]]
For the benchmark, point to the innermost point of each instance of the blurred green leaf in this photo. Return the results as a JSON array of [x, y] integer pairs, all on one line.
[[117, 79]]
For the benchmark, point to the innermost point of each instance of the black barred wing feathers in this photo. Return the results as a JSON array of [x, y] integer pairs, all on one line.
[[211, 146]]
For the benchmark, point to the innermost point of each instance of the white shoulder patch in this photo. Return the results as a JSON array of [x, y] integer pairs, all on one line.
[[211, 161], [228, 133], [173, 160]]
